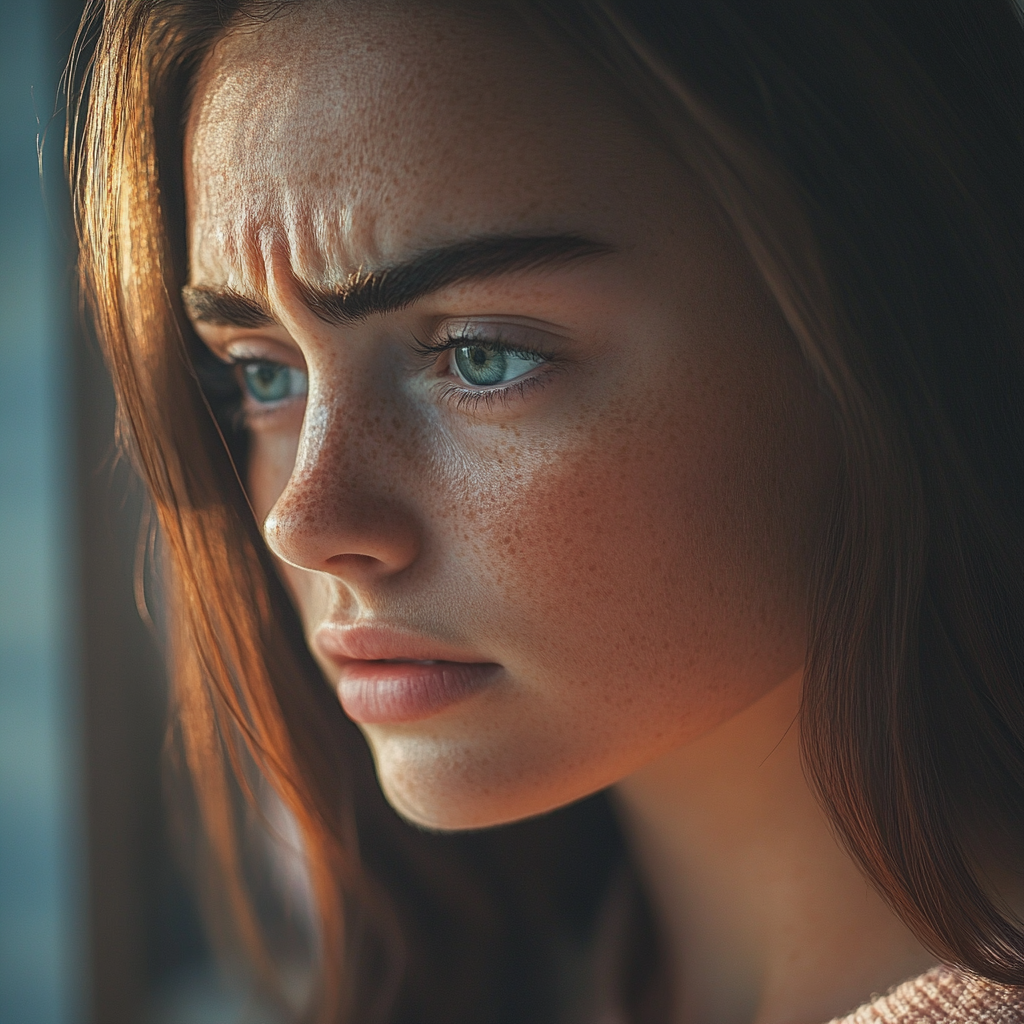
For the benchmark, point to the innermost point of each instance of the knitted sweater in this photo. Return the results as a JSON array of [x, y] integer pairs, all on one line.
[[943, 996]]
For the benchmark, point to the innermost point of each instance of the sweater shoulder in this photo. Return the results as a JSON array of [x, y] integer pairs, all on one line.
[[943, 996]]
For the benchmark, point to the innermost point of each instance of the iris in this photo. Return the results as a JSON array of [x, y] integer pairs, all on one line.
[[267, 382], [484, 365]]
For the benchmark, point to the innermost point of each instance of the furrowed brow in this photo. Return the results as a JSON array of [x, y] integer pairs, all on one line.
[[223, 307], [392, 288]]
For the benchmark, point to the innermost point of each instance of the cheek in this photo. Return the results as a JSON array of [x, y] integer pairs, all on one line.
[[671, 530], [641, 584]]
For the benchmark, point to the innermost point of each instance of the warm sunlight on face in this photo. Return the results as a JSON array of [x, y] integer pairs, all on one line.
[[541, 463]]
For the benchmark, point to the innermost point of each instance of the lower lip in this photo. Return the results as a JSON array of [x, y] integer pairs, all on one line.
[[377, 692]]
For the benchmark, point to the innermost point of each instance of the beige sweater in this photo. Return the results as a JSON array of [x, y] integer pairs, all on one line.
[[943, 996]]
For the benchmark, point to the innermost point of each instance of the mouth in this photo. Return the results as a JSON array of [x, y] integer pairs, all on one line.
[[385, 675]]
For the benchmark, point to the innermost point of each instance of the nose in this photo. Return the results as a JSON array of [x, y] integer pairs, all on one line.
[[341, 512]]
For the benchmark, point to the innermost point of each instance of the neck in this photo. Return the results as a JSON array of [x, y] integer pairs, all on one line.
[[767, 919]]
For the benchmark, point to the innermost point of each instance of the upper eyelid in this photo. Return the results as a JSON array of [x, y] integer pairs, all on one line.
[[237, 351], [444, 335], [219, 337], [497, 323], [512, 336]]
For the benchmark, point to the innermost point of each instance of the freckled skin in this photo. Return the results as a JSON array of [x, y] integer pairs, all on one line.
[[630, 540]]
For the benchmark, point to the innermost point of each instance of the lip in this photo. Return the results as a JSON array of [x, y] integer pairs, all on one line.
[[387, 675]]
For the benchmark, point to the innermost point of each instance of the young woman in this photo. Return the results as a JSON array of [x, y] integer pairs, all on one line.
[[586, 398]]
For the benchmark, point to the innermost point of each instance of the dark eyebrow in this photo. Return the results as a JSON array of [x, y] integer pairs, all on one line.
[[366, 292], [224, 308]]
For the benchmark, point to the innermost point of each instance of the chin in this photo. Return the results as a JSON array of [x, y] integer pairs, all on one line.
[[448, 788]]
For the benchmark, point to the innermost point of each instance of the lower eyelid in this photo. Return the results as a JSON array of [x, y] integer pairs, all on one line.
[[253, 410]]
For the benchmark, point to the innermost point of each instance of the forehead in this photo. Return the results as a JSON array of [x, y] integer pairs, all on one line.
[[351, 133]]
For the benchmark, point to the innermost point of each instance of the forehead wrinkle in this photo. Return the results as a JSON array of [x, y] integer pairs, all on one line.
[[326, 240], [282, 282], [346, 192], [233, 221], [234, 244]]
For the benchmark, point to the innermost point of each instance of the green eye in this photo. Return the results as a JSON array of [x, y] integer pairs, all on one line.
[[484, 365], [267, 382]]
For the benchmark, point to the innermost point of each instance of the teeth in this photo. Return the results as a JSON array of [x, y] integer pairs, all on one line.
[[407, 661]]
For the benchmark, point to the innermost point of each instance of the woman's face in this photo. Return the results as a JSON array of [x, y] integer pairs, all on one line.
[[540, 462]]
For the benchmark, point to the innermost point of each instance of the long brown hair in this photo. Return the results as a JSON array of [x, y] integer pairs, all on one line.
[[868, 154]]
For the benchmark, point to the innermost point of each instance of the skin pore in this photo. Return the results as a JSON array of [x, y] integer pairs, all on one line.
[[622, 524]]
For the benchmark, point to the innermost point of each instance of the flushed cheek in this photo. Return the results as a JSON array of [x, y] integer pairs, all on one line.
[[628, 624], [640, 553], [634, 581]]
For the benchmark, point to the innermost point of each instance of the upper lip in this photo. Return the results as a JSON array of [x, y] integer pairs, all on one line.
[[342, 642]]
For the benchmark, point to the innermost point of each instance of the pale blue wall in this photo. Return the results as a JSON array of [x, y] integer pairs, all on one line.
[[41, 860]]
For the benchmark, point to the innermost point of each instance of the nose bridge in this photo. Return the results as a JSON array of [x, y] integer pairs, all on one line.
[[343, 504], [339, 451]]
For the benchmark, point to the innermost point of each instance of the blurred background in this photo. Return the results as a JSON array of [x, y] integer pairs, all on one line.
[[96, 922]]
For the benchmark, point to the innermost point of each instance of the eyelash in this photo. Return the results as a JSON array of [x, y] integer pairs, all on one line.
[[463, 398]]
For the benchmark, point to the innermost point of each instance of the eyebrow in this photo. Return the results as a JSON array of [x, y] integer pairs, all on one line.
[[365, 292]]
